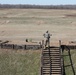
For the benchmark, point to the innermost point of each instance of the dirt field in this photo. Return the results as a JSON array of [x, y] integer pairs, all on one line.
[[19, 24]]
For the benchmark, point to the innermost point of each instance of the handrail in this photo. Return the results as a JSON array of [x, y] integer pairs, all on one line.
[[62, 59], [41, 62], [42, 56], [49, 59], [70, 60]]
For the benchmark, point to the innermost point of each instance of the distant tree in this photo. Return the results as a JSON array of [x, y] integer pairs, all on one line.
[[38, 6]]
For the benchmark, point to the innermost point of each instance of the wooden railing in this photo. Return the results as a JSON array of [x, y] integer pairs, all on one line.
[[49, 59], [73, 47], [62, 59], [41, 62], [23, 47], [73, 70]]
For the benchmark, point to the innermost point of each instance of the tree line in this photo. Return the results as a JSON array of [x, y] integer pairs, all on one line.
[[38, 6]]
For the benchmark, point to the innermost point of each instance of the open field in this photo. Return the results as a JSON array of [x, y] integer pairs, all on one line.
[[19, 24], [19, 62]]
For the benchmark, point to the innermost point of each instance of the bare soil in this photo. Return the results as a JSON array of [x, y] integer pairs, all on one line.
[[17, 25]]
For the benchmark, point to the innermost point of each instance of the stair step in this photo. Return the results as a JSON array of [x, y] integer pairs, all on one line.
[[46, 56], [55, 62], [58, 68], [45, 49], [54, 49], [54, 59], [55, 66], [46, 60], [46, 73], [51, 54], [50, 50], [51, 61], [46, 65], [55, 56], [54, 53], [55, 72], [44, 68]]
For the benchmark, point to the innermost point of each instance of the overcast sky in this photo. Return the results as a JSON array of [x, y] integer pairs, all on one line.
[[39, 2]]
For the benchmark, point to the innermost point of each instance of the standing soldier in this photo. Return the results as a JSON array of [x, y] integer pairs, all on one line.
[[46, 39]]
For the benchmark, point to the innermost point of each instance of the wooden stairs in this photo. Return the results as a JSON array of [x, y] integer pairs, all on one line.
[[51, 61]]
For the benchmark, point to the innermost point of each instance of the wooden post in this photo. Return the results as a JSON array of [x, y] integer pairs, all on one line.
[[12, 46], [62, 59], [15, 46], [42, 44], [1, 45], [24, 47], [60, 43], [49, 43]]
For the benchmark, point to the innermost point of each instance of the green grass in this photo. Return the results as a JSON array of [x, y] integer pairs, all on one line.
[[19, 63], [68, 67]]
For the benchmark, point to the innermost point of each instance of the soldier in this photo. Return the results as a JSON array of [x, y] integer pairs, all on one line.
[[47, 39]]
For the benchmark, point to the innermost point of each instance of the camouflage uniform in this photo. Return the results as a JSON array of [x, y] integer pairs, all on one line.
[[46, 39]]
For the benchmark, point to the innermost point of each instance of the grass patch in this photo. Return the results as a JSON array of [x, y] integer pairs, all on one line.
[[67, 63], [19, 62]]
